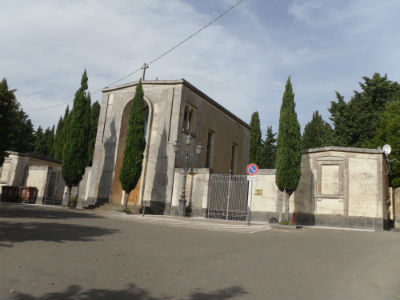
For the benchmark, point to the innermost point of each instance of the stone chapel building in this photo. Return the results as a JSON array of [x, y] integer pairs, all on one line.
[[174, 109]]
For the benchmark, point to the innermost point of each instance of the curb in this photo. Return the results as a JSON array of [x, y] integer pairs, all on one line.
[[279, 226]]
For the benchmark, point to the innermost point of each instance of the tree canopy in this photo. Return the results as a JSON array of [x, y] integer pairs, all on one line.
[[16, 132], [268, 150], [317, 133]]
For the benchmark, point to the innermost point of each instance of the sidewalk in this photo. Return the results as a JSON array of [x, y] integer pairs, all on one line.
[[189, 222]]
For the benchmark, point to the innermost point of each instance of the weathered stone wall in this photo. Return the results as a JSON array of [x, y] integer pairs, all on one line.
[[197, 183], [227, 131], [338, 187], [396, 198], [83, 189], [37, 177], [268, 202], [344, 187]]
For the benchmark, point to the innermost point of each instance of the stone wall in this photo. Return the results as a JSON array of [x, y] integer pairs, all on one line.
[[344, 187], [197, 183], [37, 177], [339, 187], [396, 201], [268, 202], [83, 189]]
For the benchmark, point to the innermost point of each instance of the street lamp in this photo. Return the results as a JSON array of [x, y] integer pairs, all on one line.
[[199, 147]]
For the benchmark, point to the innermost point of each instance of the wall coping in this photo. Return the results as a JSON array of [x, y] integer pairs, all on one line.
[[195, 171], [343, 149], [32, 155], [266, 172]]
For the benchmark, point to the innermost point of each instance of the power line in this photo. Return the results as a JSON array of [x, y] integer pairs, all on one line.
[[158, 57]]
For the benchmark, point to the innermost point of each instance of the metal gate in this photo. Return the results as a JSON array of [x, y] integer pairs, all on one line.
[[227, 197]]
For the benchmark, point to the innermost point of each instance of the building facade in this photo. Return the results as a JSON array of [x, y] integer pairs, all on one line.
[[174, 110]]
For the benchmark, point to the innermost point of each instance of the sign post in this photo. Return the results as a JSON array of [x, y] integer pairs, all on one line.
[[251, 170]]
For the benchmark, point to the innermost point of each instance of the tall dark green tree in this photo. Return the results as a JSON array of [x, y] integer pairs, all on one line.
[[76, 140], [268, 150], [16, 129], [255, 138], [7, 108], [135, 145], [356, 122], [317, 133], [58, 140], [40, 145], [48, 140], [389, 133], [341, 118], [288, 156], [94, 120], [22, 135]]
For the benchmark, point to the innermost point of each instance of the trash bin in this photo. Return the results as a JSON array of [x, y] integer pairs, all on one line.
[[28, 194], [9, 193]]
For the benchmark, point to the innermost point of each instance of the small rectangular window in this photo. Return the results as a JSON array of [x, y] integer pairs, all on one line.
[[233, 158], [209, 148]]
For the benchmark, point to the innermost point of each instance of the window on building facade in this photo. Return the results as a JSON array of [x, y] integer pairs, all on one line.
[[189, 119], [209, 148], [233, 158]]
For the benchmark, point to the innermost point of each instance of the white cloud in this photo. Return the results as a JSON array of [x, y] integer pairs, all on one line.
[[242, 61]]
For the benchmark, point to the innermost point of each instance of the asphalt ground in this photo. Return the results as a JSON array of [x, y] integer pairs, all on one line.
[[57, 253]]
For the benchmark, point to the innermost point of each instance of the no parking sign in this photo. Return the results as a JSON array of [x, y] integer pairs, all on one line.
[[252, 169]]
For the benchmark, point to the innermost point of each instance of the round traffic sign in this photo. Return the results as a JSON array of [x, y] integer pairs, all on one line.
[[252, 169]]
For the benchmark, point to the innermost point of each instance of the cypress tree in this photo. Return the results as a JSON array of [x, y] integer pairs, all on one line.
[[135, 145], [268, 152], [58, 140], [288, 156], [76, 139], [317, 133], [50, 142], [255, 138], [94, 120], [39, 142]]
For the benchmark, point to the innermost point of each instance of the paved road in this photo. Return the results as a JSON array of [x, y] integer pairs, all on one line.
[[54, 253]]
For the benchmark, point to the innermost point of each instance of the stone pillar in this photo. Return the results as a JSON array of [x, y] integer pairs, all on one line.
[[396, 198]]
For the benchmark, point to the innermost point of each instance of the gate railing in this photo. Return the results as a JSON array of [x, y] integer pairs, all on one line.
[[227, 197]]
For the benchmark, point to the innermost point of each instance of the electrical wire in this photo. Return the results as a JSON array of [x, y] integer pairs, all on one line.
[[155, 59]]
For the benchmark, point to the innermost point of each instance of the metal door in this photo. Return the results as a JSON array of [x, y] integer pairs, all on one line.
[[227, 197]]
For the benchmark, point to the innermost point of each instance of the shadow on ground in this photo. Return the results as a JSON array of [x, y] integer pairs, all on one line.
[[75, 292], [16, 210], [17, 232]]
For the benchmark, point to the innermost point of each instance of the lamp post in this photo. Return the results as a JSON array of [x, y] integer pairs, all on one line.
[[199, 147]]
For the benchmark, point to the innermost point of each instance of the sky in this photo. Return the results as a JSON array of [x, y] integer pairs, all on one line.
[[242, 61]]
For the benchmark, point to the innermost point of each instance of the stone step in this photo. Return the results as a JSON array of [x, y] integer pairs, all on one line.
[[115, 207]]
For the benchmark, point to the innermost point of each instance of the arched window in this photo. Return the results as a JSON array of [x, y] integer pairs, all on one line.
[[189, 119]]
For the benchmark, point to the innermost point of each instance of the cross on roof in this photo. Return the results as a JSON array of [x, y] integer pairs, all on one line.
[[144, 67]]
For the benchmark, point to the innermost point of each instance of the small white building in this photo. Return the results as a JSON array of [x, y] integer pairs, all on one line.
[[26, 169]]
